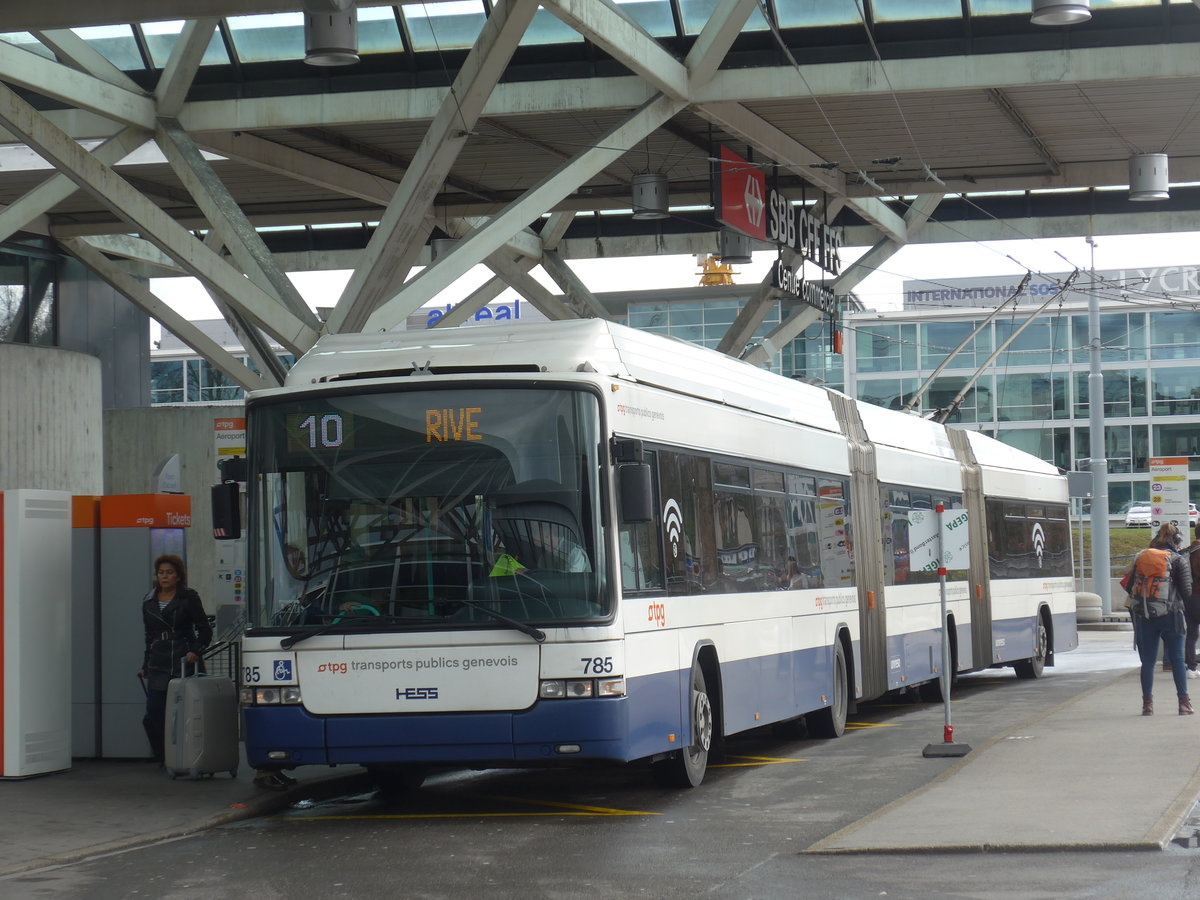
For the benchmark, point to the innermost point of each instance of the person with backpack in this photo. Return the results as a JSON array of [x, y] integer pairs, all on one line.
[[1191, 609], [1160, 579]]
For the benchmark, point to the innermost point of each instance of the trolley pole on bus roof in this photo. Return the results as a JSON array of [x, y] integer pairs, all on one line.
[[947, 748]]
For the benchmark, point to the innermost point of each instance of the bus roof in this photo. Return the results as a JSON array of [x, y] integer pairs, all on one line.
[[569, 346], [606, 348]]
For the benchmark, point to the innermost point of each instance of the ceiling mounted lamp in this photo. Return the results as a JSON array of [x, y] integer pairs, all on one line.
[[330, 33], [1059, 12], [1148, 177], [735, 247], [650, 196], [439, 247]]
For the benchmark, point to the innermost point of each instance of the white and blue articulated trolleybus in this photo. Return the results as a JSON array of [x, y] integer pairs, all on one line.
[[575, 541]]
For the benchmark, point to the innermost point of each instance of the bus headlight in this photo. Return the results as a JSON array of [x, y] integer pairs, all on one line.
[[270, 696], [580, 688], [557, 689]]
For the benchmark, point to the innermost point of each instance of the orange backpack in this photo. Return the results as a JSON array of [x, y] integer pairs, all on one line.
[[1150, 583]]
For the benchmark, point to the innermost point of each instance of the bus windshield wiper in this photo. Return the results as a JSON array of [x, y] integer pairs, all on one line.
[[336, 625], [524, 627], [346, 624]]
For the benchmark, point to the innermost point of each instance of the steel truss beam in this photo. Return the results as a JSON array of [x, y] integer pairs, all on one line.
[[170, 237], [78, 89], [542, 196], [227, 220], [402, 230], [144, 299], [77, 53]]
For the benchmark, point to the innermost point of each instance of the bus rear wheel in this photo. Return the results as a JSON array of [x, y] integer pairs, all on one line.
[[1036, 664], [830, 722], [685, 768]]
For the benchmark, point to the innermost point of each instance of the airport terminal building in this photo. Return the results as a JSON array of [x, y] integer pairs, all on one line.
[[1034, 396]]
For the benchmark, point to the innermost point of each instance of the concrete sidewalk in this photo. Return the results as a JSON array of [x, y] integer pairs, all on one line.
[[1091, 773]]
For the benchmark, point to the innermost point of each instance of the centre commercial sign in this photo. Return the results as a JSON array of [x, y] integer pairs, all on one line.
[[744, 203]]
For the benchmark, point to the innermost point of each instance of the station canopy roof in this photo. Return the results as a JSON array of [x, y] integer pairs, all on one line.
[[193, 135]]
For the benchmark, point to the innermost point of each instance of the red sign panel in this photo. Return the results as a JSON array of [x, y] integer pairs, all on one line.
[[741, 195]]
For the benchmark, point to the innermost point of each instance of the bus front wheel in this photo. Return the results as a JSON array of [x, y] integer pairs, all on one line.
[[685, 768]]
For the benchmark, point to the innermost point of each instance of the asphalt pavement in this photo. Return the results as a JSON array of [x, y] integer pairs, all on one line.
[[1090, 773]]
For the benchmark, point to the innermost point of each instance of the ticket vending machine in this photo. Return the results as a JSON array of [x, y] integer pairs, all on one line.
[[35, 632], [134, 530]]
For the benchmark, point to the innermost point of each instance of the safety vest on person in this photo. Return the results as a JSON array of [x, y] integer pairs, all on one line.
[[1150, 584]]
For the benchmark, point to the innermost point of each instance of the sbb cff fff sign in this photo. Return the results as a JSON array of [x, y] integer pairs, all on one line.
[[745, 203]]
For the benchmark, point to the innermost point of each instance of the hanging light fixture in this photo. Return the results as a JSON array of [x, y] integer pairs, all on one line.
[[1148, 177], [735, 247], [439, 247], [1060, 12], [650, 190], [330, 33]]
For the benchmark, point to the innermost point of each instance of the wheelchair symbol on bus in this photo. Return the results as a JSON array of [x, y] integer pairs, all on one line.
[[283, 670]]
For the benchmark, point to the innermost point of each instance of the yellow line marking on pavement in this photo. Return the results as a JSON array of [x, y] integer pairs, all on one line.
[[464, 815], [556, 809], [596, 810], [754, 761], [855, 726]]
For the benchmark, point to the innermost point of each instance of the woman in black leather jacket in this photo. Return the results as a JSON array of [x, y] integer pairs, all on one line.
[[177, 630]]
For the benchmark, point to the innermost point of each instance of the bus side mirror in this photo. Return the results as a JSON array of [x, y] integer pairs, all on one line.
[[227, 511], [633, 486]]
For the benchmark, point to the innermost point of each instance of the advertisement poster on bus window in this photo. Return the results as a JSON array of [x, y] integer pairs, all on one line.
[[835, 543], [924, 544], [1169, 491]]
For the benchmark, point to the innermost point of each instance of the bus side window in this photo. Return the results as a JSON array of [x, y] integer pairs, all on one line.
[[641, 560], [641, 552]]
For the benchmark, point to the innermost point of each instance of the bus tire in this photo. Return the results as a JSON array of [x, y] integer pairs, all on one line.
[[830, 722], [1036, 664], [685, 768]]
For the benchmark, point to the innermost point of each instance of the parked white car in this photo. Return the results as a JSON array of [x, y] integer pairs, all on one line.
[[1137, 515]]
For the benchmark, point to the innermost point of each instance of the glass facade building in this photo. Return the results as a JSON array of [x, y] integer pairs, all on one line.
[[1035, 395]]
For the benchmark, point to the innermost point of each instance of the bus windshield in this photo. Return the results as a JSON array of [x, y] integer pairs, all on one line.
[[420, 509]]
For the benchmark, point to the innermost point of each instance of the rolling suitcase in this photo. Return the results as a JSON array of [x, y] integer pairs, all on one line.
[[202, 727]]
